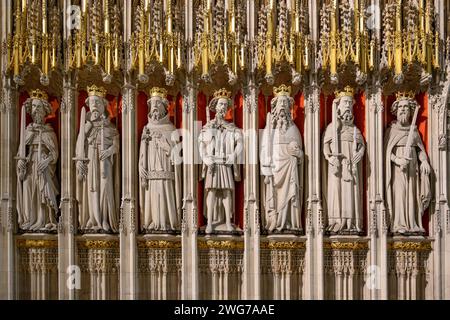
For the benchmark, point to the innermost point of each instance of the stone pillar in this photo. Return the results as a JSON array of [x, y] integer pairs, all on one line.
[[314, 255], [67, 226], [437, 142], [128, 217], [8, 150], [377, 281], [252, 270], [189, 223]]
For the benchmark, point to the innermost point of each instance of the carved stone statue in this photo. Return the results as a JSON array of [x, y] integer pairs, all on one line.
[[343, 150], [220, 144], [37, 186], [97, 163], [160, 175], [408, 191], [282, 165]]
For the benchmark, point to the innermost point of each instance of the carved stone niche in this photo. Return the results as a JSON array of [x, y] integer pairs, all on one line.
[[99, 264], [345, 264], [159, 268], [409, 275], [282, 268], [38, 268], [220, 269]]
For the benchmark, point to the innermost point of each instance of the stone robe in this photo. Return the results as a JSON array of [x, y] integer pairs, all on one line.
[[284, 193], [407, 192], [98, 194], [343, 189], [160, 196], [36, 194]]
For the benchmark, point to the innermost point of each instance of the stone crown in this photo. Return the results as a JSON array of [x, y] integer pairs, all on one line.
[[96, 91], [38, 94], [347, 92], [158, 92], [282, 90]]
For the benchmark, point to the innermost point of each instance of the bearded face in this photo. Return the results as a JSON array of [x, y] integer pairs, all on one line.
[[280, 120], [221, 108], [403, 113], [37, 111], [96, 105], [156, 107], [347, 117]]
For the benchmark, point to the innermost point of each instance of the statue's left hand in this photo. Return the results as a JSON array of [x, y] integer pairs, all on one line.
[[357, 156], [230, 160], [294, 149], [425, 168], [105, 154], [42, 165]]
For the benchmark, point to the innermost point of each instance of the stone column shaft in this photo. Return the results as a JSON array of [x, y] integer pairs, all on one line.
[[129, 150]]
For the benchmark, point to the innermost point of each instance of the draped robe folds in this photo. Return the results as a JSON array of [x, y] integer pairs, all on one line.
[[98, 193], [284, 193], [36, 194], [221, 142], [406, 191], [343, 191], [160, 196]]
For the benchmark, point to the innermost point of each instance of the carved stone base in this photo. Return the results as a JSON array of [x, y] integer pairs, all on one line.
[[345, 233], [36, 232], [170, 232], [284, 232], [409, 234], [236, 232], [86, 231]]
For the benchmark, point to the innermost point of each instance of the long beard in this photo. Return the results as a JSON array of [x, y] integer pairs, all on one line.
[[403, 119], [154, 117], [281, 124]]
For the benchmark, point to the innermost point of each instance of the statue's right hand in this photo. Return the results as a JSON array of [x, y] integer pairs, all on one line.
[[334, 161], [143, 173], [266, 179], [401, 162], [82, 168], [22, 165], [208, 160]]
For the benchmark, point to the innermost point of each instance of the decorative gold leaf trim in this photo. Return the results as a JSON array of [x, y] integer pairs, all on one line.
[[410, 246], [283, 245], [98, 244], [346, 245], [159, 244], [34, 243], [221, 244]]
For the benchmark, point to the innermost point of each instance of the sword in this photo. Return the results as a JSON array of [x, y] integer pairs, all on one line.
[[407, 152], [79, 151]]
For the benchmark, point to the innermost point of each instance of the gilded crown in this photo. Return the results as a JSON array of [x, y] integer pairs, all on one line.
[[222, 93], [347, 92], [158, 92], [405, 95], [282, 90], [96, 91], [38, 94]]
